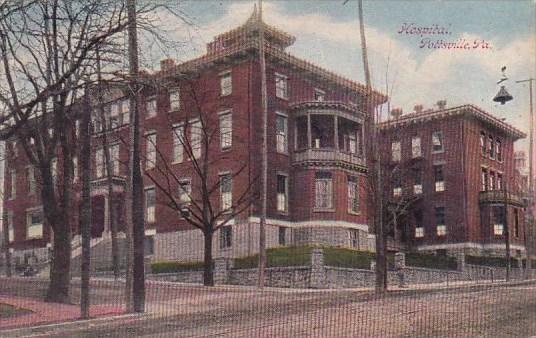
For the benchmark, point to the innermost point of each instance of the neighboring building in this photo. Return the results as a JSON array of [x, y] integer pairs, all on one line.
[[316, 151], [453, 164]]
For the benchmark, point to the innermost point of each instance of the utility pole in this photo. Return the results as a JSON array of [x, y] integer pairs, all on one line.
[[85, 214], [136, 182], [264, 151], [377, 189], [529, 221], [506, 231]]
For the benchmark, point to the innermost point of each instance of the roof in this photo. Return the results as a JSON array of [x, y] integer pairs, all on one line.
[[463, 110], [241, 40]]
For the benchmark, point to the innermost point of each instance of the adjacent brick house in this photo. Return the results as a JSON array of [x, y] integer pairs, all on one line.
[[453, 164], [316, 151]]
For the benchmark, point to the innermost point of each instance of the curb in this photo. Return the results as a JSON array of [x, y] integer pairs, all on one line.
[[43, 329]]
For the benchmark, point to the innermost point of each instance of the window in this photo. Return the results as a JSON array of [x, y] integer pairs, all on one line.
[[483, 143], [151, 108], [226, 237], [226, 192], [34, 223], [148, 245], [282, 193], [150, 152], [281, 86], [13, 185], [499, 182], [437, 141], [196, 138], [419, 232], [75, 169], [114, 159], [178, 146], [397, 183], [76, 131], [54, 169], [395, 151], [14, 149], [352, 143], [417, 181], [282, 236], [323, 190], [353, 195], [30, 180], [226, 131], [185, 191], [439, 179], [492, 180], [484, 180], [281, 133], [319, 95], [114, 115], [516, 222], [498, 220], [440, 221], [125, 111], [491, 147], [226, 84], [416, 147], [419, 228], [354, 238], [150, 202], [498, 147], [8, 218], [498, 229], [99, 163], [174, 99]]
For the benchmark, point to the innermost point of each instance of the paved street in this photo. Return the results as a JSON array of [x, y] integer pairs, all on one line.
[[191, 311]]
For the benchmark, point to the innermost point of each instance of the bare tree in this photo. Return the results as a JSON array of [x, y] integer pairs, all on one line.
[[201, 201], [46, 48]]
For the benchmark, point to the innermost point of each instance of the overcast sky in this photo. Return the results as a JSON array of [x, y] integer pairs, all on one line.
[[327, 34]]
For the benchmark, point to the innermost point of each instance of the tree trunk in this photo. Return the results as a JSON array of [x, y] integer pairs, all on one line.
[[85, 212], [7, 253], [60, 274], [208, 271]]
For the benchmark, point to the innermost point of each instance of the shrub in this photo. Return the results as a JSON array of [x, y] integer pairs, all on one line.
[[173, 266], [348, 258], [277, 257], [490, 261], [431, 261]]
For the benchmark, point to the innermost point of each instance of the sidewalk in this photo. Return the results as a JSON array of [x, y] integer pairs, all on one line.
[[45, 313]]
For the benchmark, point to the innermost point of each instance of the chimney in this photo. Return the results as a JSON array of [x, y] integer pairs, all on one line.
[[396, 112], [441, 104], [166, 64], [418, 108]]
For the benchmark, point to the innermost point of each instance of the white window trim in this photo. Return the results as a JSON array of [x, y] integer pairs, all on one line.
[[146, 213], [221, 76], [222, 114], [149, 162], [177, 159], [286, 194], [38, 233], [285, 144], [150, 114], [283, 76]]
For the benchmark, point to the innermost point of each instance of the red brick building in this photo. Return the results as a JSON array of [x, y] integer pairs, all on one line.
[[452, 165], [316, 151]]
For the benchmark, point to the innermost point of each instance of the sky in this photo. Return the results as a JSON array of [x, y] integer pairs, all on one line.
[[495, 33]]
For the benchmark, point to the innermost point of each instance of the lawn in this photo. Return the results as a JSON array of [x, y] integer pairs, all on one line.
[[7, 311]]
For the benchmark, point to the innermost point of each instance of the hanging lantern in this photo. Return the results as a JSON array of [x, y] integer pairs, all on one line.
[[503, 96]]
